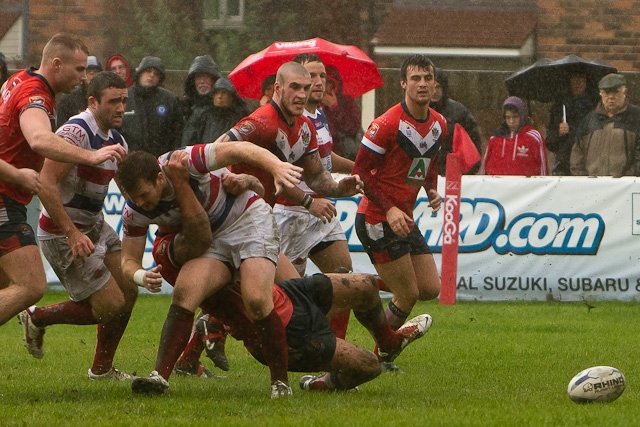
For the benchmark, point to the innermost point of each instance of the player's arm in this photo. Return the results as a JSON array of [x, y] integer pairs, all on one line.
[[237, 183], [285, 175], [320, 180], [52, 173], [26, 178], [340, 164], [131, 263], [36, 128], [195, 237]]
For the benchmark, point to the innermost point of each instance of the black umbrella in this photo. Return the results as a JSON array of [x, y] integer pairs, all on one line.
[[548, 79]]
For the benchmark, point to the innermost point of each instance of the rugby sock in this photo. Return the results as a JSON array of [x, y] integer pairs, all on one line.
[[109, 335], [339, 324], [376, 323], [64, 313], [173, 339], [395, 316], [273, 340], [190, 358], [381, 285]]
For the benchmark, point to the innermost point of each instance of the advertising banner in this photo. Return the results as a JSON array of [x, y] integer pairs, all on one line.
[[537, 238]]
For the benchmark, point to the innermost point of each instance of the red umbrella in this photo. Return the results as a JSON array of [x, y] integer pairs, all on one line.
[[359, 73]]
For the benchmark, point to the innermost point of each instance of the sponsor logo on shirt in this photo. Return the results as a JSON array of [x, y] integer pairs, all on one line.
[[37, 99], [373, 129], [246, 128]]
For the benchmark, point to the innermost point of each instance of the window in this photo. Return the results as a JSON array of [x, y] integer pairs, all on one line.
[[223, 13]]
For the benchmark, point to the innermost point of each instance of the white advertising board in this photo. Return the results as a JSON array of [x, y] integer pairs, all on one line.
[[539, 238]]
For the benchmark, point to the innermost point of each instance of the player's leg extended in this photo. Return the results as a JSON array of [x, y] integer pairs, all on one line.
[[350, 366], [110, 331], [198, 279], [27, 281], [256, 282], [400, 278]]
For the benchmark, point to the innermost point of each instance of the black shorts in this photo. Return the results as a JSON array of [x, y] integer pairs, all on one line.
[[312, 343], [15, 233], [389, 247]]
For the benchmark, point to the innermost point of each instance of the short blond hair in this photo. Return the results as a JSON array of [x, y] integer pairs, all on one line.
[[62, 46]]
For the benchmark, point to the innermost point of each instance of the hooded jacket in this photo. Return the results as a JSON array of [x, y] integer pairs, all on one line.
[[129, 79], [207, 123], [454, 112], [192, 99], [153, 116], [524, 153], [608, 146]]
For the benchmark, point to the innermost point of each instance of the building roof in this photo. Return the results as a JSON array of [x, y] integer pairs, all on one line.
[[464, 28], [9, 13]]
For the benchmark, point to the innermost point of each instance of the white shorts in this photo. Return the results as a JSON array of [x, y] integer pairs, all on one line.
[[253, 235], [300, 232], [82, 279]]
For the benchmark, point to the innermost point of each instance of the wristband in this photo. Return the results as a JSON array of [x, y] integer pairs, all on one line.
[[138, 277], [306, 201]]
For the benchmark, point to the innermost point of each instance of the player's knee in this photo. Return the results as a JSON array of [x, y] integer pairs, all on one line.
[[257, 307], [107, 310], [429, 292], [33, 293]]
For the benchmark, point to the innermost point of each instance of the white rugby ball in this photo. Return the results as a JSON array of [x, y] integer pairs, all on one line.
[[597, 384]]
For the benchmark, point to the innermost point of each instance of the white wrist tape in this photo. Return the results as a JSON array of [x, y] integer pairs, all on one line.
[[138, 277], [210, 155]]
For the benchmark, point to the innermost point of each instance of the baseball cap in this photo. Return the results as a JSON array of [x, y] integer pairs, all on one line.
[[92, 62], [611, 81]]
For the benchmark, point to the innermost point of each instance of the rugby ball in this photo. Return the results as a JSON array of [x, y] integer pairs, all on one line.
[[597, 384]]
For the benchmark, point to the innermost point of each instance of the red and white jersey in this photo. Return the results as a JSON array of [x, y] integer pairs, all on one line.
[[84, 188], [405, 148], [524, 154], [222, 208], [267, 128], [23, 90]]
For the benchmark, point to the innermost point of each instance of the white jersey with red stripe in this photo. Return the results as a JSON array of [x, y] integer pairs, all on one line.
[[222, 208], [85, 187]]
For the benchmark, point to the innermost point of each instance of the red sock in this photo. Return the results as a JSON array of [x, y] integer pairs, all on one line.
[[339, 324], [381, 285], [109, 335], [191, 355], [173, 339], [273, 340], [64, 313], [376, 323]]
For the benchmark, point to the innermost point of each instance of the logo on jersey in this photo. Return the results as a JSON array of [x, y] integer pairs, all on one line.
[[305, 135], [522, 151], [162, 248], [246, 128], [36, 100], [417, 171], [435, 132], [373, 129], [161, 110], [413, 137]]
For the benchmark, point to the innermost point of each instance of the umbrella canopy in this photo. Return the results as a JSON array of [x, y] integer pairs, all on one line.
[[359, 73], [548, 79]]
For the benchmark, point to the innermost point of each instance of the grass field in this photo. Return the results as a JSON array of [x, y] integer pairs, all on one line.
[[481, 364]]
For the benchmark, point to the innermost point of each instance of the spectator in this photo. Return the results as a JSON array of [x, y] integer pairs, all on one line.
[[4, 73], [344, 116], [515, 148], [607, 140], [208, 122], [78, 100], [119, 65], [564, 119], [267, 89], [153, 119], [198, 88], [454, 112]]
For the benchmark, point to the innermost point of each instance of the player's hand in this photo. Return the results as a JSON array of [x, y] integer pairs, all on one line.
[[152, 280], [176, 168], [29, 180], [237, 183], [81, 245], [435, 201], [400, 222], [286, 175], [323, 209], [110, 152], [350, 185], [563, 129]]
